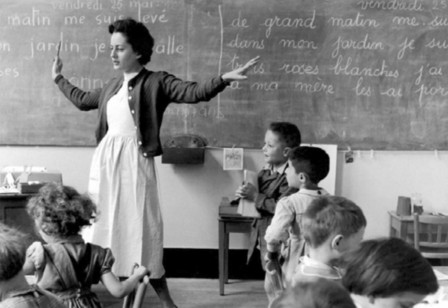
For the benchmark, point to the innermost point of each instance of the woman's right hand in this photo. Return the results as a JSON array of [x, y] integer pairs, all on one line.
[[57, 63]]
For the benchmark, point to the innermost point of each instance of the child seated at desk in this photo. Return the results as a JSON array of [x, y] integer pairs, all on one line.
[[307, 167], [331, 225], [387, 273], [279, 139], [15, 292]]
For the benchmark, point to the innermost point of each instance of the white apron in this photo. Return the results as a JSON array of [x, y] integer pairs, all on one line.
[[123, 184]]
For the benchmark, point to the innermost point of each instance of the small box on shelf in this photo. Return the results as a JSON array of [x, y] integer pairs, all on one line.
[[30, 188]]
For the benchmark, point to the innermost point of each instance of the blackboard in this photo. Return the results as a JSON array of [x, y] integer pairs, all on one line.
[[365, 74]]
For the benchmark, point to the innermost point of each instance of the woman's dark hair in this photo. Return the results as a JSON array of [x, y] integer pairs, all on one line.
[[384, 267], [137, 35], [60, 210]]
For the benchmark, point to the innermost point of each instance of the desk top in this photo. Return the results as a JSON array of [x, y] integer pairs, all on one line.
[[235, 218], [440, 298], [407, 217], [15, 196], [229, 212], [442, 269]]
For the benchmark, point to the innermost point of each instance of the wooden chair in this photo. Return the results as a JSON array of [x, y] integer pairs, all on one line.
[[136, 297], [431, 236]]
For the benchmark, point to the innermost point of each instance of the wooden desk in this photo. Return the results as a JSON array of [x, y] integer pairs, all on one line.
[[440, 298], [400, 226], [13, 213], [228, 224], [444, 270]]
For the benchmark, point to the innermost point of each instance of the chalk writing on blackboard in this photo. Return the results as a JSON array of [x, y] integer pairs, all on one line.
[[369, 74]]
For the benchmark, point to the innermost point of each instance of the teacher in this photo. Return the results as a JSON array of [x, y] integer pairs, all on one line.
[[122, 178]]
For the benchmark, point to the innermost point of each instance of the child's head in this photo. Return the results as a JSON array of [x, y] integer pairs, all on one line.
[[12, 252], [335, 222], [279, 139], [320, 293], [60, 211], [308, 165], [388, 273]]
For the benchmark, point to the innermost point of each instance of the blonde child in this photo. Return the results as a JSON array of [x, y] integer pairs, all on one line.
[[331, 225], [307, 166], [66, 265], [279, 139], [387, 273], [15, 291]]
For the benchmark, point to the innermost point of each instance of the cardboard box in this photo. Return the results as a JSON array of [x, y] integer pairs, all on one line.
[[30, 188]]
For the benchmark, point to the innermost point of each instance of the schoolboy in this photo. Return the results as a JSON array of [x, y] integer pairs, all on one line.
[[15, 292], [331, 225], [321, 293], [280, 137], [307, 167], [387, 272]]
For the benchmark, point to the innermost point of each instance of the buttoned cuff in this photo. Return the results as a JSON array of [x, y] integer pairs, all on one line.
[[58, 77], [227, 83]]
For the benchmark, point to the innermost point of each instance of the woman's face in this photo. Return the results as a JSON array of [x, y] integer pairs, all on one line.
[[124, 58]]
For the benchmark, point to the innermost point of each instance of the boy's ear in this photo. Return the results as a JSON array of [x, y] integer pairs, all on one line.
[[286, 151], [303, 177], [336, 242]]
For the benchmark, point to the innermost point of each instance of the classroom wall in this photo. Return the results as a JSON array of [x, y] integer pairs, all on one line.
[[190, 194]]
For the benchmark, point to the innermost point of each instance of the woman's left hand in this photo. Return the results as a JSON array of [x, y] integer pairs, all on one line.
[[240, 73]]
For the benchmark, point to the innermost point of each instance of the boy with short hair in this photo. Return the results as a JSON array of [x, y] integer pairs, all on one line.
[[330, 226], [279, 139], [388, 272], [321, 293], [307, 167], [15, 292]]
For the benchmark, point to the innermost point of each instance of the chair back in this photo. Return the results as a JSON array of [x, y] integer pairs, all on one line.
[[136, 297], [431, 236]]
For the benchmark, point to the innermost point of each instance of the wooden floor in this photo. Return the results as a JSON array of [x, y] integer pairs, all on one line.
[[201, 293]]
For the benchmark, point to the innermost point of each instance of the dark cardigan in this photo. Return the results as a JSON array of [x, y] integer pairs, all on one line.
[[149, 95]]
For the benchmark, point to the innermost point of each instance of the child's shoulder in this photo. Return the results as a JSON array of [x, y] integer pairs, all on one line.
[[309, 194], [95, 247], [302, 197]]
